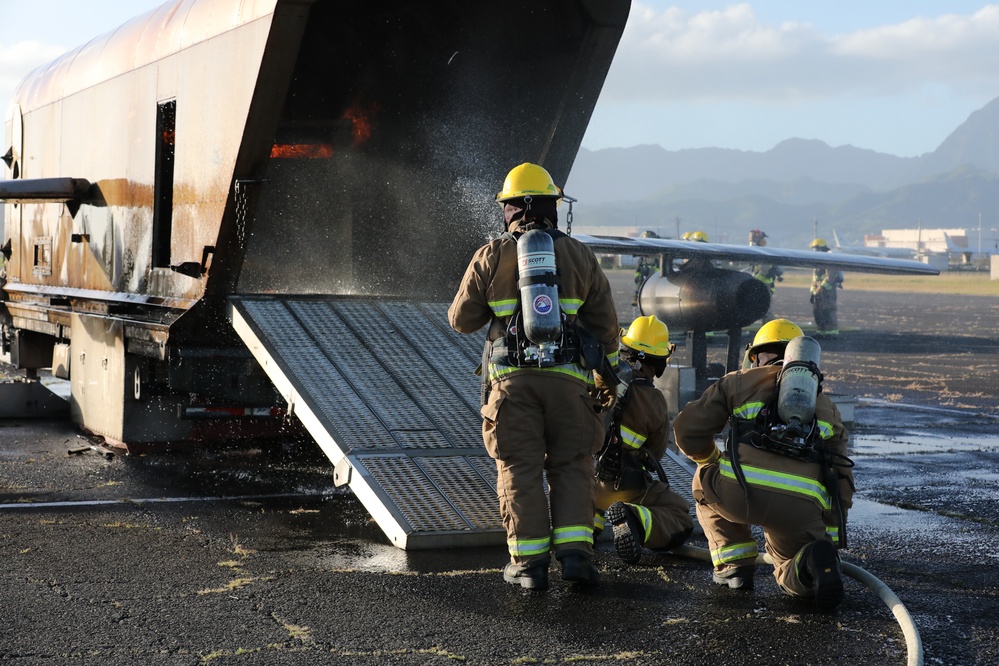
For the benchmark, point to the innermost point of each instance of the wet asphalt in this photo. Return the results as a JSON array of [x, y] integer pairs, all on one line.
[[251, 556]]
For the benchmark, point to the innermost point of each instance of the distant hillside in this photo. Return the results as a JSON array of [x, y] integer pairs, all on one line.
[[794, 187], [615, 174], [974, 143], [949, 200]]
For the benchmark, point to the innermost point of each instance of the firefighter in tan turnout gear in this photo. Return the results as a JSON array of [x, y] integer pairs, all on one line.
[[825, 282], [544, 384], [798, 488], [642, 510], [768, 274]]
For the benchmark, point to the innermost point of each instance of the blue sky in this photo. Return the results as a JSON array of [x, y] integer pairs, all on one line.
[[895, 76]]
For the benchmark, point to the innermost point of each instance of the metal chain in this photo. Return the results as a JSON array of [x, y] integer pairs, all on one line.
[[240, 196], [568, 216]]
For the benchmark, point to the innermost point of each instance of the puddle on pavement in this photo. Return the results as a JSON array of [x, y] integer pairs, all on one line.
[[923, 442]]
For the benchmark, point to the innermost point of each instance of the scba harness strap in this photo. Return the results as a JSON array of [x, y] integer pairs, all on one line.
[[625, 467], [811, 448], [514, 349]]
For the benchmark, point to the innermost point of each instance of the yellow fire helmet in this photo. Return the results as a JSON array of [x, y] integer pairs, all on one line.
[[649, 337], [528, 180], [820, 245], [699, 236], [776, 334]]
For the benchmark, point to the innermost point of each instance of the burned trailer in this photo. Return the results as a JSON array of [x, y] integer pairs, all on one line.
[[228, 210]]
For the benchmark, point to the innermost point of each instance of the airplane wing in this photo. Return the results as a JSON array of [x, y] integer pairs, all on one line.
[[681, 249]]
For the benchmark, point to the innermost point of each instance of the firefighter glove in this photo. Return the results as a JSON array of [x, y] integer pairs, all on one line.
[[604, 392]]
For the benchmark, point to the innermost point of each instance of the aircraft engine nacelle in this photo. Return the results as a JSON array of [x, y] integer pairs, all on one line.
[[708, 299]]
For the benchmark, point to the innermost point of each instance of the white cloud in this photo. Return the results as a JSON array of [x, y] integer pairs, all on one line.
[[956, 51], [674, 55]]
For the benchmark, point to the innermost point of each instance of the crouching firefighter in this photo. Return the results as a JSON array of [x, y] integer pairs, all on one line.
[[631, 485], [784, 468], [548, 372]]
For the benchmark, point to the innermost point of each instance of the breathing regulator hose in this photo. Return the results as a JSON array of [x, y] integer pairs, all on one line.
[[913, 643]]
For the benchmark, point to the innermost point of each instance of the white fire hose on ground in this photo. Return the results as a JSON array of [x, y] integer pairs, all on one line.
[[913, 643]]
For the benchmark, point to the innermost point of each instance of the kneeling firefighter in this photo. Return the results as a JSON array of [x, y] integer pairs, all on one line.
[[784, 468], [548, 371], [631, 486]]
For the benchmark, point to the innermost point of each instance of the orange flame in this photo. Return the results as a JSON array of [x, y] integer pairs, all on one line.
[[302, 150], [360, 121]]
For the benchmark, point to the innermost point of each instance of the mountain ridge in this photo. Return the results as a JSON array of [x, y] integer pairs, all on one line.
[[796, 187]]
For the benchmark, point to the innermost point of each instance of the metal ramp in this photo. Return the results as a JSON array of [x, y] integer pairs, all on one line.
[[386, 388]]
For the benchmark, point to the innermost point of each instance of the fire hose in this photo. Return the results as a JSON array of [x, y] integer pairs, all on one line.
[[913, 643]]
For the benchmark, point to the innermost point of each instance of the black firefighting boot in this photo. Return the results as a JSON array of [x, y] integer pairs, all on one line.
[[818, 567], [736, 577], [629, 535], [531, 575], [578, 567]]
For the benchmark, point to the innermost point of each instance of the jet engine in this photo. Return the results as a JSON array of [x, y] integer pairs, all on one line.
[[704, 298]]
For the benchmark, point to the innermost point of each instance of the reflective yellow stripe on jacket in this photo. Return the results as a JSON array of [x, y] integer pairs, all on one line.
[[503, 308], [749, 411], [570, 306], [571, 370], [631, 439], [767, 478]]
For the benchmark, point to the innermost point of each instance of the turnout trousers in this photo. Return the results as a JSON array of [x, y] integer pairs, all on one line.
[[824, 310], [537, 425], [727, 514], [665, 515]]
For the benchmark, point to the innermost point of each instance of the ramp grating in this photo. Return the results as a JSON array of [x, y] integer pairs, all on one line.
[[387, 389]]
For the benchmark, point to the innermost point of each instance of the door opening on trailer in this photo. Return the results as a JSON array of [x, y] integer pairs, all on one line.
[[166, 126]]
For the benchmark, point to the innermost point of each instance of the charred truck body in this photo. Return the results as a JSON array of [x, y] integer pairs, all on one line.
[[332, 152], [216, 147]]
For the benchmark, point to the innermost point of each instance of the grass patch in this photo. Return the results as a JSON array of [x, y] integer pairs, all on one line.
[[966, 283]]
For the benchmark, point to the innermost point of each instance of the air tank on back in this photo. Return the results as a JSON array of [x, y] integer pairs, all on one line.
[[539, 293], [799, 385]]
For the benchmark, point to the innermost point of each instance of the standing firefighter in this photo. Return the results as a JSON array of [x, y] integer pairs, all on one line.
[[768, 274], [787, 473], [642, 510], [825, 282], [546, 377]]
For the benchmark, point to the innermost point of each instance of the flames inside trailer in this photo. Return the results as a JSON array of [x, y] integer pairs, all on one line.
[[379, 187], [284, 150]]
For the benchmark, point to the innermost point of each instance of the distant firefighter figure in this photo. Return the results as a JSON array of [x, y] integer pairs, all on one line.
[[695, 263], [768, 274], [825, 282]]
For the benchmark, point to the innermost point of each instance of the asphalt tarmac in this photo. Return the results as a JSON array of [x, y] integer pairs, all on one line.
[[253, 557]]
